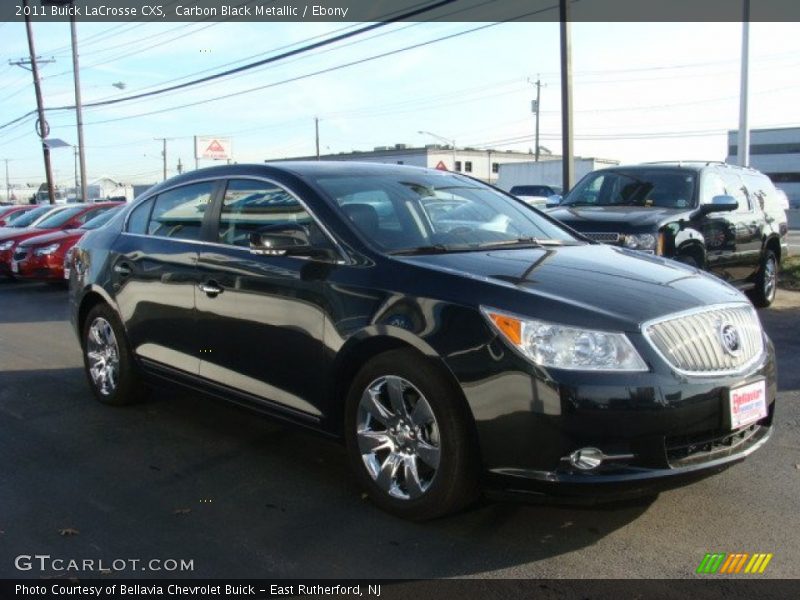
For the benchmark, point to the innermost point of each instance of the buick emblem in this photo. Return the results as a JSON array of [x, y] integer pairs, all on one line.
[[731, 341]]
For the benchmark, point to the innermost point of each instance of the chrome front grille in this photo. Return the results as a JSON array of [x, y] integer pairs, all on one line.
[[713, 341], [604, 237], [20, 254]]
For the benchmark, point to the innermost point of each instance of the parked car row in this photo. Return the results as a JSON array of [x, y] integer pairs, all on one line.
[[34, 241], [453, 338]]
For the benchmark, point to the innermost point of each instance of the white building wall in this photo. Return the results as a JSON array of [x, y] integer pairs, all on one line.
[[546, 172], [773, 163]]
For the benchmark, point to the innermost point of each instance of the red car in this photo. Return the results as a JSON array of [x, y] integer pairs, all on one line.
[[42, 257], [55, 219], [9, 213]]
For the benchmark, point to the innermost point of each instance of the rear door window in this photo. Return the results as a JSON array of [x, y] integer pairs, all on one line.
[[179, 213]]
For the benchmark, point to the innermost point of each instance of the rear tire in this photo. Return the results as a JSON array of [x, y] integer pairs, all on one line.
[[766, 281], [110, 369], [408, 437]]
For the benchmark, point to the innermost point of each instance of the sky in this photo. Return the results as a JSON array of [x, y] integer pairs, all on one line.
[[642, 91]]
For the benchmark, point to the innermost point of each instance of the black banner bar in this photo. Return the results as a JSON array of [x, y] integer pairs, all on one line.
[[379, 10]]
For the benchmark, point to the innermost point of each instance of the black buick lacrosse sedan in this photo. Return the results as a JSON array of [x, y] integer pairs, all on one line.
[[456, 339]]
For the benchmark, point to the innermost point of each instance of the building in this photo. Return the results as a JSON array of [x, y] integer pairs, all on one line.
[[548, 172], [776, 153], [481, 164]]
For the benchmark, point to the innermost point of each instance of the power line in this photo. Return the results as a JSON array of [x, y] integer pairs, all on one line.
[[306, 48], [319, 72]]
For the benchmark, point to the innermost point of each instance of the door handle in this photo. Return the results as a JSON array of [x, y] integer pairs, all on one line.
[[123, 269], [211, 289]]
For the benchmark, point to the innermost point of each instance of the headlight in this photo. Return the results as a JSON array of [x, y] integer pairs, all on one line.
[[642, 241], [45, 250], [561, 347], [6, 246]]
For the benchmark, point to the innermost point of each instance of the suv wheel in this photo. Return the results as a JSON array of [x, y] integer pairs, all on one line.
[[766, 281], [110, 369], [408, 437]]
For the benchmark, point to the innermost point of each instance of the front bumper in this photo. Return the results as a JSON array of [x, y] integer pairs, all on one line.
[[49, 267], [661, 429]]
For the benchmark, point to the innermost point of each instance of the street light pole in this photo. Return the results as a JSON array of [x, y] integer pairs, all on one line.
[[568, 164], [443, 139], [743, 143]]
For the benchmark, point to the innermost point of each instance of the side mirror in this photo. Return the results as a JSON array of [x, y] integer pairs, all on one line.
[[553, 201], [720, 204], [289, 239]]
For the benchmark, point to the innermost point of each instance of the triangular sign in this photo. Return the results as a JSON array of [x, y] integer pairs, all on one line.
[[215, 146], [441, 166]]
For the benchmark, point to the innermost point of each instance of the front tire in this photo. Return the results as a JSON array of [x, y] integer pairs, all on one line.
[[112, 373], [408, 437], [766, 281]]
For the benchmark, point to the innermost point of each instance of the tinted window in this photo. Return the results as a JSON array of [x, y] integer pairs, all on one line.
[[250, 205], [734, 187], [404, 211], [179, 213], [137, 220], [664, 188], [30, 216], [711, 186], [101, 219], [59, 218]]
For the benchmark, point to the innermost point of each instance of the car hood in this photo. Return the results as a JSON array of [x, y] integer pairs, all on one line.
[[616, 218], [585, 284], [21, 234], [54, 236]]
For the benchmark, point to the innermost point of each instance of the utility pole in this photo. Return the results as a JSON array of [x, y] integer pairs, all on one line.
[[164, 154], [316, 129], [75, 155], [8, 182], [78, 107], [535, 109], [43, 129], [743, 143], [568, 164]]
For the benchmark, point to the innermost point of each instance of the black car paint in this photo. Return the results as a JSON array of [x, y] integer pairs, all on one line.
[[526, 418], [728, 244]]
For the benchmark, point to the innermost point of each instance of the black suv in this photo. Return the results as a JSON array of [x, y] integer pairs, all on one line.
[[453, 337], [712, 216]]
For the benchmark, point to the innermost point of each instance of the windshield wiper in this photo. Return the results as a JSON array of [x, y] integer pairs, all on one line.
[[432, 249], [524, 241]]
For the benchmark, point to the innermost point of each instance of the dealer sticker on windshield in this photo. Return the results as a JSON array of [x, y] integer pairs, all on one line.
[[748, 404]]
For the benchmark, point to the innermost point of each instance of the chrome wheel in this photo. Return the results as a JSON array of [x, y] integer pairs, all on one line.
[[103, 354], [398, 437], [770, 278]]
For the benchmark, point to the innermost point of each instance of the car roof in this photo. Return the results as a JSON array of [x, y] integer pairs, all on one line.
[[298, 168]]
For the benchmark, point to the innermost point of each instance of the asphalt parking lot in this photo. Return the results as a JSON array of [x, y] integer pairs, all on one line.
[[187, 477]]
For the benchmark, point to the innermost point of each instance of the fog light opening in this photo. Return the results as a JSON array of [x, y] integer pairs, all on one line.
[[586, 459]]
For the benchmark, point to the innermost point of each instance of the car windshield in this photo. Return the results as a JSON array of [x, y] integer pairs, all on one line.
[[30, 216], [423, 212], [59, 218], [662, 188], [101, 219]]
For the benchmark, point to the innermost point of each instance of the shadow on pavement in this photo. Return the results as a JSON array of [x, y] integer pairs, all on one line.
[[185, 476]]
